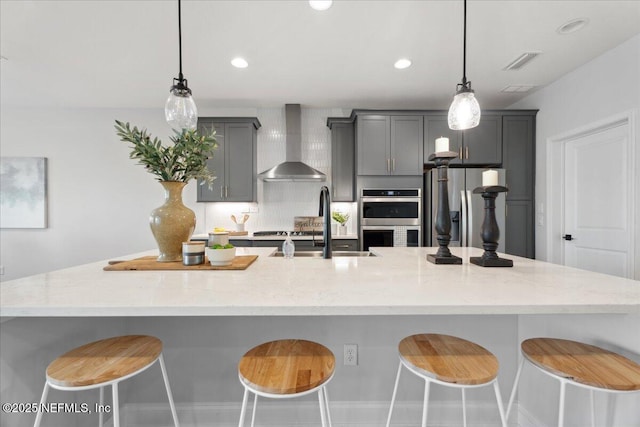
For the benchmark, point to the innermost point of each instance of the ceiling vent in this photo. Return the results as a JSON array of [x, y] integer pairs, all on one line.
[[521, 61], [517, 88]]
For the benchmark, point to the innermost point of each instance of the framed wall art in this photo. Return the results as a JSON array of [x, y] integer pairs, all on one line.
[[23, 192]]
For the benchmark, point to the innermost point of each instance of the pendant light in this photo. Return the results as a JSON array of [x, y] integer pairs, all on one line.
[[180, 110], [464, 112]]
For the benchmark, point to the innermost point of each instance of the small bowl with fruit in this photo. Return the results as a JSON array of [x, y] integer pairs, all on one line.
[[221, 255]]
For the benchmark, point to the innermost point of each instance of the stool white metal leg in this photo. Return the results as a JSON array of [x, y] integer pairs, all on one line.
[[243, 409], [100, 412], [43, 399], [515, 387], [116, 407], [464, 409], [425, 404]]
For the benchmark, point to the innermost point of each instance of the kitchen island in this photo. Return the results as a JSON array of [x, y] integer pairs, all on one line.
[[396, 281], [208, 319]]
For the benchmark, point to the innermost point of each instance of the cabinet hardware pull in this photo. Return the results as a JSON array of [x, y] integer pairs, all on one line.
[[393, 162], [460, 153], [341, 246], [388, 165], [466, 149], [226, 191], [221, 191]]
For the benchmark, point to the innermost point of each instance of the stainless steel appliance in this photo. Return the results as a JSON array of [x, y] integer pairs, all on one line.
[[390, 217], [467, 209]]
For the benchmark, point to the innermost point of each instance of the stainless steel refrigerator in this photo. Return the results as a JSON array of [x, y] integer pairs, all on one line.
[[466, 208]]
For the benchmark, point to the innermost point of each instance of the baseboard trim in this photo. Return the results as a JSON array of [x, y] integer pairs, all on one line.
[[304, 413]]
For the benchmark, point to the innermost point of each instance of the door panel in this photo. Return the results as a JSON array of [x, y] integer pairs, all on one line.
[[596, 202], [240, 169], [407, 143]]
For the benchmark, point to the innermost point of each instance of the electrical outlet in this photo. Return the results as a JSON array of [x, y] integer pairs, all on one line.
[[351, 354]]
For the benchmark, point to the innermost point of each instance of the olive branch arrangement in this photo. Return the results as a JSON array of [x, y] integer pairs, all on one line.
[[186, 159]]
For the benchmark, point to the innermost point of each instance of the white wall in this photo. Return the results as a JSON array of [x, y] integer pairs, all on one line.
[[605, 87]]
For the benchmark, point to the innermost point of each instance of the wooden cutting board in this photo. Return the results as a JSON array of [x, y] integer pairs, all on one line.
[[240, 262]]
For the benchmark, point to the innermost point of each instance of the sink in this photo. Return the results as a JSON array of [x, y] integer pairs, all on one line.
[[318, 254]]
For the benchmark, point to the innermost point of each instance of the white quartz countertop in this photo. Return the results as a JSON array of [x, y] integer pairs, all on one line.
[[399, 281]]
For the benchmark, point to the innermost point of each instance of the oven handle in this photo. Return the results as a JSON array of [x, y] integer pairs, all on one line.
[[391, 199]]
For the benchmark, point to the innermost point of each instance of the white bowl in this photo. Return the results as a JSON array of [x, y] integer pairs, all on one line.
[[221, 257]]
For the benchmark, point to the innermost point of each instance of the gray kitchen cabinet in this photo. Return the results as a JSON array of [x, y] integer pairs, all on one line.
[[344, 244], [234, 163], [519, 228], [518, 155], [479, 146], [518, 132], [389, 144], [343, 188], [482, 145], [437, 126]]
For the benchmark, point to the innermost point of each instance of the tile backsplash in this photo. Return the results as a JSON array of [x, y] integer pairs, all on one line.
[[279, 202]]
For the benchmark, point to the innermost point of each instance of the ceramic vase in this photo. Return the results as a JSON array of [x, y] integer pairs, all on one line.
[[342, 229], [172, 223]]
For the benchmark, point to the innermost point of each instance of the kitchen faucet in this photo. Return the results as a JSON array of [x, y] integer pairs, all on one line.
[[325, 206]]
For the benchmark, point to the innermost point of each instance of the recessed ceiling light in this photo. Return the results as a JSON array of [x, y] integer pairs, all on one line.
[[320, 4], [239, 62], [402, 63], [572, 26]]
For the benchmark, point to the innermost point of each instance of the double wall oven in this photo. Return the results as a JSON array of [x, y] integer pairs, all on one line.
[[390, 217]]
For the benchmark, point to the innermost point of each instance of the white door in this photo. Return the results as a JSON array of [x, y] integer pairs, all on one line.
[[598, 179]]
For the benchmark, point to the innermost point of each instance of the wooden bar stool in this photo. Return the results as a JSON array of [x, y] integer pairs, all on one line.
[[582, 365], [103, 363], [284, 369], [449, 361]]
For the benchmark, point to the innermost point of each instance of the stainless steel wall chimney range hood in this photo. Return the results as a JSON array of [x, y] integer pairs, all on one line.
[[292, 169]]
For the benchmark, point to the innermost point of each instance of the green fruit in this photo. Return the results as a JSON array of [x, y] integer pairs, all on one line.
[[228, 246]]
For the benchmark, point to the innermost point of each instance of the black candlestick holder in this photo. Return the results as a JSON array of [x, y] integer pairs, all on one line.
[[443, 216], [490, 232]]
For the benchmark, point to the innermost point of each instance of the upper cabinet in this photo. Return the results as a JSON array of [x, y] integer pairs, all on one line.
[[437, 126], [234, 162], [480, 146], [342, 159], [389, 144]]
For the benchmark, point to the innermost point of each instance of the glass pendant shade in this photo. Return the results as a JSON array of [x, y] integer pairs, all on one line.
[[180, 110], [464, 112]]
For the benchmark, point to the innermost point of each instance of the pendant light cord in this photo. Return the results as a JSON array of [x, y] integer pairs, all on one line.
[[180, 77], [464, 46]]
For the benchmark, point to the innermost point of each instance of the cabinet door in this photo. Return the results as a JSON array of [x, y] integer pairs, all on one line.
[[240, 165], [482, 145], [436, 126], [407, 144], [519, 229], [342, 162], [518, 156], [215, 165], [373, 146]]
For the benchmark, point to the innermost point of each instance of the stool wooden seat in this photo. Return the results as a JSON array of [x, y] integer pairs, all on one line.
[[287, 368], [448, 361], [580, 364], [105, 362]]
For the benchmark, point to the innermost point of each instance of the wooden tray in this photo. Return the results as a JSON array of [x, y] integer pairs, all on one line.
[[240, 262]]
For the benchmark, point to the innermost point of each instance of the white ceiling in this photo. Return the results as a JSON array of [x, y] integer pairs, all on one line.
[[112, 53]]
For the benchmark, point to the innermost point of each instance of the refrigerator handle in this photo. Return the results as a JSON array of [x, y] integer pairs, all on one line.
[[463, 219], [469, 219]]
